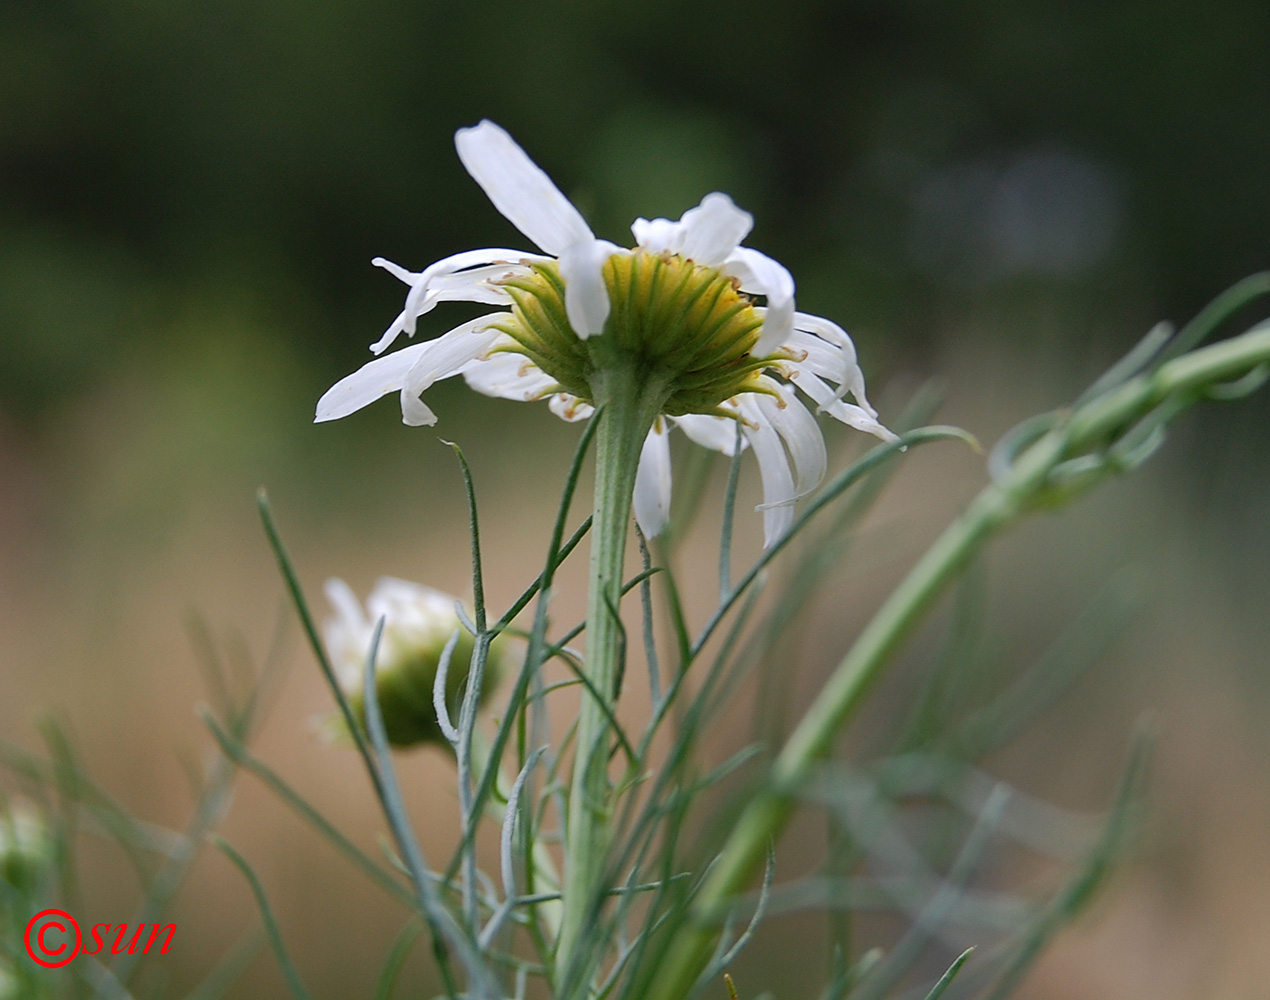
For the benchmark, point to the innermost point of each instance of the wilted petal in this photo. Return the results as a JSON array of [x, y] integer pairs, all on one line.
[[519, 188], [446, 280], [828, 402], [830, 331], [368, 383], [569, 407], [773, 467], [414, 411], [802, 437], [652, 482], [476, 284]]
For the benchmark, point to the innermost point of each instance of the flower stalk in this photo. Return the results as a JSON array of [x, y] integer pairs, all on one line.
[[629, 400]]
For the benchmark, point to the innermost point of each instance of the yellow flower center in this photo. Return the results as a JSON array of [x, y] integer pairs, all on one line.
[[678, 323]]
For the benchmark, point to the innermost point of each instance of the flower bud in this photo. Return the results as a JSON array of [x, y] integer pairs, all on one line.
[[418, 623], [26, 849]]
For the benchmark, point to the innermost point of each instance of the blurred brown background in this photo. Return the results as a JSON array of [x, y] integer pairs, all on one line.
[[1005, 196]]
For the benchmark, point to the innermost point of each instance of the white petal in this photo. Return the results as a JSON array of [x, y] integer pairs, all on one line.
[[712, 230], [508, 376], [828, 401], [367, 384], [519, 189], [396, 270], [414, 411], [586, 298], [773, 468], [828, 330], [569, 408], [424, 291], [345, 603], [477, 284], [827, 361], [715, 433], [652, 482], [655, 235], [760, 275], [447, 355], [802, 437]]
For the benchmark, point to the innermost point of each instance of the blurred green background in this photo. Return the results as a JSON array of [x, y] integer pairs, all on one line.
[[1002, 195]]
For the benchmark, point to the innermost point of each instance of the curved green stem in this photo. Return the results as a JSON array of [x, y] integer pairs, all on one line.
[[1094, 426]]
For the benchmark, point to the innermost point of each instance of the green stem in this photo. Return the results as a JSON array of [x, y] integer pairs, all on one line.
[[628, 403], [1095, 423]]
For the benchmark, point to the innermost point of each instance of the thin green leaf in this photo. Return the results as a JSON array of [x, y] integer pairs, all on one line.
[[245, 759], [1223, 308], [292, 581], [396, 960], [443, 933], [646, 605], [266, 914], [729, 510], [946, 979], [217, 983], [478, 581]]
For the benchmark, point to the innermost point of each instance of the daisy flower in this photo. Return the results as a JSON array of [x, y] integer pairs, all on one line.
[[675, 317], [418, 623]]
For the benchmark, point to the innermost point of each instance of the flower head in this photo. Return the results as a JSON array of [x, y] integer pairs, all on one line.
[[679, 307], [418, 623], [26, 849]]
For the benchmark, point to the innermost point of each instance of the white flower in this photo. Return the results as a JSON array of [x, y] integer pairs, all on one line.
[[418, 623], [26, 849], [681, 300]]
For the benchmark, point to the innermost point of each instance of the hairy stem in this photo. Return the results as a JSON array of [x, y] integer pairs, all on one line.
[[629, 403]]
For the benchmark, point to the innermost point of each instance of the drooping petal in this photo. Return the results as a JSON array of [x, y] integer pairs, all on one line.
[[713, 230], [586, 297], [802, 437], [760, 275], [827, 361], [652, 482], [715, 433], [414, 411], [508, 376], [773, 468], [373, 380], [449, 279], [519, 188], [830, 331], [569, 407], [446, 356], [828, 402]]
